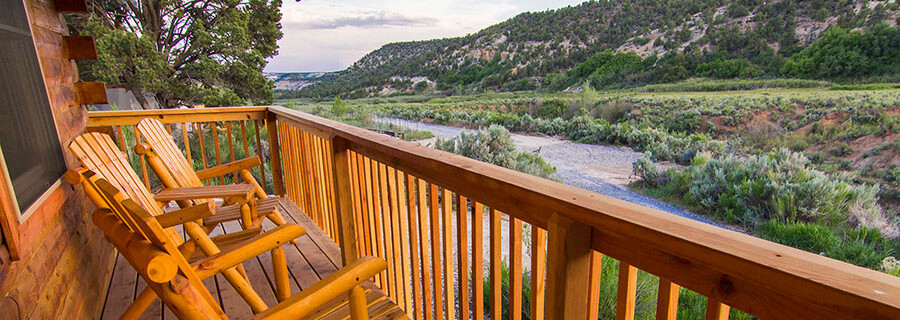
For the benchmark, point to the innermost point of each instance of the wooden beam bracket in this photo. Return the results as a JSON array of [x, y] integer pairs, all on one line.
[[90, 93], [80, 48], [71, 6]]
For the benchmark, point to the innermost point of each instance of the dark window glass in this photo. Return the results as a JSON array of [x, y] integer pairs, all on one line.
[[28, 135]]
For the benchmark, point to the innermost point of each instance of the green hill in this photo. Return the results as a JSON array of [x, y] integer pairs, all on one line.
[[632, 43]]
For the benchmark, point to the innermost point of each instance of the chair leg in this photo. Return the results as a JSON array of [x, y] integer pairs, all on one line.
[[140, 305], [358, 308], [246, 217], [245, 290], [282, 282]]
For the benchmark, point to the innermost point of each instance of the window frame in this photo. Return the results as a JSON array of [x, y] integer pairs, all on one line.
[[11, 216]]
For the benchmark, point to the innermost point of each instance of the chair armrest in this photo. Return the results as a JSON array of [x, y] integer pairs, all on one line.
[[192, 213], [231, 167], [241, 192], [333, 286], [247, 249], [227, 240]]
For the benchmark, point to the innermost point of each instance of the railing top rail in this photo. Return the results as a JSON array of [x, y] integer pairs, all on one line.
[[115, 118], [756, 276]]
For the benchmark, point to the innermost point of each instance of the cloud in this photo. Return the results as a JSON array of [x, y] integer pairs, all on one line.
[[362, 19]]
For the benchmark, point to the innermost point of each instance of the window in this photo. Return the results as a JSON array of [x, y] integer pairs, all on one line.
[[28, 139]]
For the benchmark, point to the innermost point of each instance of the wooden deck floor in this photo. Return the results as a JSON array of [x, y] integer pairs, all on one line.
[[312, 258]]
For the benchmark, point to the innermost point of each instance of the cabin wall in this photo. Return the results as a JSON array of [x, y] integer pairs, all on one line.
[[65, 261]]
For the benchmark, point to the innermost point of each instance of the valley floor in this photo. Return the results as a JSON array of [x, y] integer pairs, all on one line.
[[606, 170]]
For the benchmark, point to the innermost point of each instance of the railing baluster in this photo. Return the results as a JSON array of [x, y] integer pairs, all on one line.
[[122, 146], [364, 202], [187, 144], [462, 243], [515, 269], [434, 223], [402, 213], [538, 271], [716, 310], [215, 135], [246, 145], [447, 226], [275, 153], [396, 259], [418, 298], [667, 300], [198, 127], [496, 278], [384, 228], [478, 260], [230, 137], [137, 139], [293, 190], [357, 201], [421, 187], [627, 288], [262, 167], [594, 284]]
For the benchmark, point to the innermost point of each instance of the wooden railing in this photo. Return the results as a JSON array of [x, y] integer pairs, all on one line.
[[209, 137], [441, 220]]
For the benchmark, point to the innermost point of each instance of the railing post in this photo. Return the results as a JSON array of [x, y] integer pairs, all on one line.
[[568, 268], [275, 151], [342, 199]]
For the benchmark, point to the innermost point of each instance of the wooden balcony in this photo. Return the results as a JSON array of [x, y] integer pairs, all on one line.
[[437, 217]]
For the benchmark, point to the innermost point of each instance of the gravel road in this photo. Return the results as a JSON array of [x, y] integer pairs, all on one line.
[[598, 168]]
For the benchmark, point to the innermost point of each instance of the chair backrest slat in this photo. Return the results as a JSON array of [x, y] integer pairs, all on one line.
[[99, 154], [161, 142]]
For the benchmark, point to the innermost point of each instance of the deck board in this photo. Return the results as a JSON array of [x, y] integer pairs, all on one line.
[[312, 258]]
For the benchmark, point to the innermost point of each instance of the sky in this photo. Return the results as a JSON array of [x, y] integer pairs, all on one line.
[[324, 35]]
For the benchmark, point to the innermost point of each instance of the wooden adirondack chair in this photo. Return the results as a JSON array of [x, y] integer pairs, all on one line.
[[174, 171], [151, 251], [98, 153]]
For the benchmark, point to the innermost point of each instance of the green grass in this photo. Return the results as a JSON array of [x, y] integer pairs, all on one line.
[[731, 85], [867, 86]]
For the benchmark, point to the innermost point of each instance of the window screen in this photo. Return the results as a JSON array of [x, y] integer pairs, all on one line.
[[28, 136]]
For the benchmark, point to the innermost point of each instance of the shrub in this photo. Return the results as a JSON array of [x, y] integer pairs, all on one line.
[[339, 107], [780, 185], [495, 146], [803, 236]]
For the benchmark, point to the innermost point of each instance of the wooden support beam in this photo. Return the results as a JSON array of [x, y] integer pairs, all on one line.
[[90, 93], [80, 48], [71, 6], [342, 201], [568, 266]]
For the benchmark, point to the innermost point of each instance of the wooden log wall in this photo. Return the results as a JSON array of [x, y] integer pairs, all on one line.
[[64, 261]]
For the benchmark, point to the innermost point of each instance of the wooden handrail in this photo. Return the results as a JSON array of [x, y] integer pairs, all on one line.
[[759, 277], [117, 118]]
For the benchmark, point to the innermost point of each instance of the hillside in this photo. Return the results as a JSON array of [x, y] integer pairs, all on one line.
[[664, 40]]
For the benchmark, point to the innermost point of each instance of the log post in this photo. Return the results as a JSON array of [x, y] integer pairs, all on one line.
[[568, 268]]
